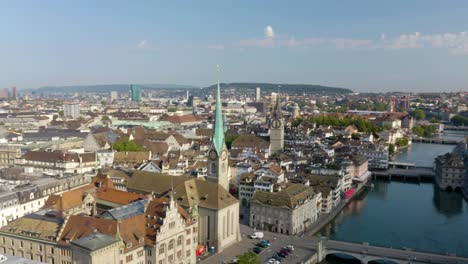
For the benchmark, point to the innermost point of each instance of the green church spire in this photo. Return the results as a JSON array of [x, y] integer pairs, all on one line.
[[218, 134]]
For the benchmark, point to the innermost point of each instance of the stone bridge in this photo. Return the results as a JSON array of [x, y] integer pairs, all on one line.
[[372, 254]]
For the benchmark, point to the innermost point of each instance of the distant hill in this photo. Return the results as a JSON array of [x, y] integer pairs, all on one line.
[[288, 88], [106, 88]]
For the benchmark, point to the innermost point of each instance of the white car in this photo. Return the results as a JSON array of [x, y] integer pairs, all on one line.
[[273, 261], [257, 235]]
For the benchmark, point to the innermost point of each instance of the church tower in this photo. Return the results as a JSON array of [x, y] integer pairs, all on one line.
[[276, 127], [218, 170]]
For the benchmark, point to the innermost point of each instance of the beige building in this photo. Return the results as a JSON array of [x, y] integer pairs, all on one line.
[[134, 229], [8, 154], [290, 210]]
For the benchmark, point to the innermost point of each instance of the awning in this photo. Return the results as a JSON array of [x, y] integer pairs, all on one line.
[[349, 193], [201, 249]]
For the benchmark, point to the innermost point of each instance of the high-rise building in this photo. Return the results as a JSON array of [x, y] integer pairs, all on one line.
[[113, 95], [276, 127], [273, 99], [4, 93], [135, 92], [14, 94], [71, 110], [257, 94]]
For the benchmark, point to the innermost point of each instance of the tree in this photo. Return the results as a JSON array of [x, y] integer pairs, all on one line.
[[60, 113], [355, 136], [126, 146], [249, 258], [434, 120], [459, 120], [391, 149], [419, 114]]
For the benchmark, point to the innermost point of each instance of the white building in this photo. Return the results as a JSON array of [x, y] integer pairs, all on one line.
[[71, 110]]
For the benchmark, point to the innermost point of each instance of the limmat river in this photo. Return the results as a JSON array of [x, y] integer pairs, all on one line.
[[407, 215]]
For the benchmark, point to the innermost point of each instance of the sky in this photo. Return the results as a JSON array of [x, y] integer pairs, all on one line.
[[365, 45]]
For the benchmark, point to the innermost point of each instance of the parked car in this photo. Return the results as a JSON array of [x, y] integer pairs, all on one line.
[[287, 249], [265, 242], [285, 252], [291, 247], [257, 235], [273, 261], [262, 245], [282, 255], [257, 250]]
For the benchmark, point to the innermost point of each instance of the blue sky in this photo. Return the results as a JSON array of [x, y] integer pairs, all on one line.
[[399, 45]]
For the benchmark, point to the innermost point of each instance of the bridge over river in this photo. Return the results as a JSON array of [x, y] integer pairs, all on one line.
[[372, 254]]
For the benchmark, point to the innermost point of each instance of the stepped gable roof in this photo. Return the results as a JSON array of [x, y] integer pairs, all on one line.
[[156, 212]]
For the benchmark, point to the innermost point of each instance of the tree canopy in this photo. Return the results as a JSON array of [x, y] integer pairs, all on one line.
[[249, 258], [419, 114], [126, 146]]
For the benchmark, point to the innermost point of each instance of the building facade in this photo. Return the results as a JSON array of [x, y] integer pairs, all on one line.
[[290, 211]]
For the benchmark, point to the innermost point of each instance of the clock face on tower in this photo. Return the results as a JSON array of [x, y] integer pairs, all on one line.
[[213, 155], [276, 123]]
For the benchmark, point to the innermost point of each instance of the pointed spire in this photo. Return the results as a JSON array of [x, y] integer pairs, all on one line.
[[277, 113], [218, 134]]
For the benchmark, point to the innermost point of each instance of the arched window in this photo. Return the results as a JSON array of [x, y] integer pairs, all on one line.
[[179, 241], [213, 167], [162, 248], [171, 244]]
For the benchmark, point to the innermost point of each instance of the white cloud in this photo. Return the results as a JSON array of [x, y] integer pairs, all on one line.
[[216, 47], [269, 33], [456, 43], [142, 44]]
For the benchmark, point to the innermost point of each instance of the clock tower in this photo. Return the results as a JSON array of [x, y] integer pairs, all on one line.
[[276, 128], [218, 156]]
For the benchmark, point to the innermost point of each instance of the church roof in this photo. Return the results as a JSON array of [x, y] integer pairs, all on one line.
[[205, 194]]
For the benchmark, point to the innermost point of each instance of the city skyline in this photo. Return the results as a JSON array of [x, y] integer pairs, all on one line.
[[365, 46]]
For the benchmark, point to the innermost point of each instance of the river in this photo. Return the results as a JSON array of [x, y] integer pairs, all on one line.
[[398, 214]]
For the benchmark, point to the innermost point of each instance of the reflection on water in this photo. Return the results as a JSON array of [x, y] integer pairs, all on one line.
[[397, 214], [448, 203], [423, 154]]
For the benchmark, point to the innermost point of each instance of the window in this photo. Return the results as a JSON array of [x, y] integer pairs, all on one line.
[[188, 241], [171, 258], [171, 244], [140, 253], [187, 253], [179, 254], [129, 258], [162, 248], [179, 241]]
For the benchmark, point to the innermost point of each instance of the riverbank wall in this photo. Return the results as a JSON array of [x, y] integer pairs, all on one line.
[[325, 219]]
